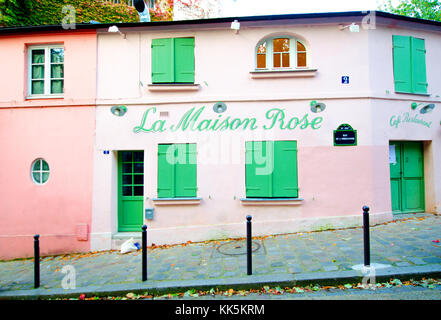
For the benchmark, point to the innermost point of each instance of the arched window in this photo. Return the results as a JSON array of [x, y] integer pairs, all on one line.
[[278, 53]]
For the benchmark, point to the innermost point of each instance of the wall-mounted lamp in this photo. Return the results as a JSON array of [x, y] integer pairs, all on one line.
[[235, 25], [352, 27], [114, 29], [219, 107], [427, 108], [118, 111], [317, 107]]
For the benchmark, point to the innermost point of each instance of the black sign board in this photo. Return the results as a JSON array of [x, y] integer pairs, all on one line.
[[345, 136]]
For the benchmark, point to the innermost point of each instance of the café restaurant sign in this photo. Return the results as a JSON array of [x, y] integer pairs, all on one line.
[[193, 120]]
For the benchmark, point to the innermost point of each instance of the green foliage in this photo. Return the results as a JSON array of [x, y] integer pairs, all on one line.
[[422, 9], [43, 12]]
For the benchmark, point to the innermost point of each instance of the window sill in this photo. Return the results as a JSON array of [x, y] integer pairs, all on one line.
[[270, 201], [173, 87], [44, 97], [176, 201], [414, 93], [295, 73]]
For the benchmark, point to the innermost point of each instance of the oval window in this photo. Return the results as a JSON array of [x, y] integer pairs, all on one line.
[[40, 171]]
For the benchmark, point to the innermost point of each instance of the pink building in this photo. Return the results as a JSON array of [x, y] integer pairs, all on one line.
[[47, 126], [189, 126]]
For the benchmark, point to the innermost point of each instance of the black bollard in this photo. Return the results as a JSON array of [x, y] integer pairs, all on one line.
[[367, 250], [36, 261], [249, 247], [144, 253]]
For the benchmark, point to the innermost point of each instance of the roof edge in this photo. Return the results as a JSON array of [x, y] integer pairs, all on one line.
[[321, 15]]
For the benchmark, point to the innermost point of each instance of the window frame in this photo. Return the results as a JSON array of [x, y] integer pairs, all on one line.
[[293, 54], [190, 148], [47, 71], [411, 66], [172, 66], [40, 171], [269, 178]]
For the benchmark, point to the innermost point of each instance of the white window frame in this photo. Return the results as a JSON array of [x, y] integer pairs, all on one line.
[[40, 171], [47, 71], [292, 54]]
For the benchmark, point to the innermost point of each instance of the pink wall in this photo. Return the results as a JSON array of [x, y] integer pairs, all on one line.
[[79, 68], [61, 131]]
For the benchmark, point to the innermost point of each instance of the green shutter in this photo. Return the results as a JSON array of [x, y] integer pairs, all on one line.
[[165, 173], [285, 170], [419, 79], [184, 60], [185, 172], [258, 169], [162, 60], [402, 64]]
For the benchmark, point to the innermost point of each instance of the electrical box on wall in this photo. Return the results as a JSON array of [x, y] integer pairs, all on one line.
[[149, 213]]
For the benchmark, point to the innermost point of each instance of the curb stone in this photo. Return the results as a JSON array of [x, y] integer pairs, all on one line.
[[240, 283]]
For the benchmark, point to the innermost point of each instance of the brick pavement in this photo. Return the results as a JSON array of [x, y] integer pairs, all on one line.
[[406, 242]]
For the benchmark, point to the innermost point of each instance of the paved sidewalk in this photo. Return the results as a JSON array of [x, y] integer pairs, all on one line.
[[327, 256]]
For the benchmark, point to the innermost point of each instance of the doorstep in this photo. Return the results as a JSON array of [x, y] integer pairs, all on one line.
[[120, 237], [127, 235]]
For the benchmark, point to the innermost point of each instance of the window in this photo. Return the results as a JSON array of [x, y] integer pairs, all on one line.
[[45, 71], [177, 170], [40, 171], [132, 173], [281, 53], [173, 60], [271, 169], [409, 58]]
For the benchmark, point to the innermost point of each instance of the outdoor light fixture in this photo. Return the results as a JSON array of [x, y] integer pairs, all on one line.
[[428, 108], [219, 107], [143, 10], [352, 27], [114, 29], [317, 107], [235, 25], [118, 111]]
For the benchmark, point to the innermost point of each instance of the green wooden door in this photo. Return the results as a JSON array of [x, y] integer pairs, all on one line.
[[130, 190], [407, 177]]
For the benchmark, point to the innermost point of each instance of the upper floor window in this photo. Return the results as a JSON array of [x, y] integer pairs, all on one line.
[[45, 71], [281, 53], [173, 60], [409, 58]]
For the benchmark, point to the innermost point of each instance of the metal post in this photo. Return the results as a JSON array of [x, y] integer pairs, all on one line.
[[367, 250], [36, 261], [144, 253], [249, 262]]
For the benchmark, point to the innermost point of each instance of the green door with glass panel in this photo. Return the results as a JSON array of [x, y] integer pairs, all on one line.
[[407, 176], [130, 190]]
